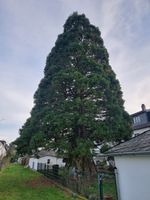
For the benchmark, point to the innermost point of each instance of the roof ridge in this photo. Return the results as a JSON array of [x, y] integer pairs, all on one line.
[[133, 138]]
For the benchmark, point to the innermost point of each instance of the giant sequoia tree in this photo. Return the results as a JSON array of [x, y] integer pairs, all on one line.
[[79, 100]]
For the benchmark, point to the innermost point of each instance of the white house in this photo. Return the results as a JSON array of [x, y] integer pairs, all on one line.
[[141, 121], [3, 149], [132, 160], [46, 157]]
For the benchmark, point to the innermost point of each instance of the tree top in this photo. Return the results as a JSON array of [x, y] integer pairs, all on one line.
[[76, 20]]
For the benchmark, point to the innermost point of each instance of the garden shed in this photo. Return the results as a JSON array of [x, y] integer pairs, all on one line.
[[132, 161], [49, 158]]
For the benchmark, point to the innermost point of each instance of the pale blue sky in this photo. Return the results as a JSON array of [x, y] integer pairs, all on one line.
[[28, 31]]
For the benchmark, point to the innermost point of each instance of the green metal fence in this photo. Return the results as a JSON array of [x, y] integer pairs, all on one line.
[[90, 186]]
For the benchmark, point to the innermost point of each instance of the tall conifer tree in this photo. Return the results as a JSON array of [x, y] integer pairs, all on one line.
[[79, 100]]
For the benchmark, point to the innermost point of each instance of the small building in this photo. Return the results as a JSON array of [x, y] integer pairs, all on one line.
[[132, 161], [3, 149], [141, 121], [4, 152], [49, 158]]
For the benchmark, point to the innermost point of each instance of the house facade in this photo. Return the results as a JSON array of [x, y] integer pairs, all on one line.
[[132, 161], [49, 158], [141, 121], [3, 149]]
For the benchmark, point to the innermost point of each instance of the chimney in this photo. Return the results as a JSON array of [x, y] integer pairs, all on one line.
[[143, 107]]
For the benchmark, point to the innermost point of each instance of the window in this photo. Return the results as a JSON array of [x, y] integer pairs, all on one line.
[[137, 120], [48, 161]]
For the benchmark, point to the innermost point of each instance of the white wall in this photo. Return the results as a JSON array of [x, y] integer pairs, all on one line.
[[139, 131], [2, 151], [133, 177], [53, 160], [33, 162]]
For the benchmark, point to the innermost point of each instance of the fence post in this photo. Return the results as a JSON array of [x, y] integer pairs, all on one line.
[[100, 186], [117, 184]]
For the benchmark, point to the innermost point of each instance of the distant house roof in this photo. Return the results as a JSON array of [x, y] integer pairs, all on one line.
[[3, 142], [140, 112], [44, 153], [139, 145]]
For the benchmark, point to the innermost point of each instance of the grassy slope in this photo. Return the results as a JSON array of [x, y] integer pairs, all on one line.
[[18, 183]]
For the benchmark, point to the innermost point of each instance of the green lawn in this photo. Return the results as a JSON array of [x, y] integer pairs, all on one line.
[[18, 183]]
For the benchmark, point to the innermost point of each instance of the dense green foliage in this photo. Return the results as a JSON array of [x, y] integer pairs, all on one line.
[[18, 183], [79, 100]]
